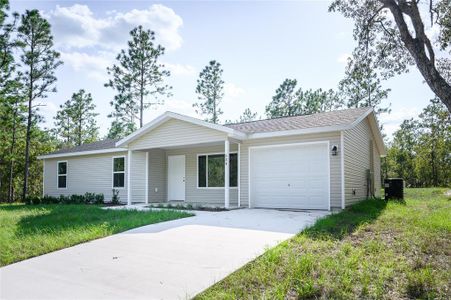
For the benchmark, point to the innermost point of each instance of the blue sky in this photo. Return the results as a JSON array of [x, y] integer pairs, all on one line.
[[259, 44]]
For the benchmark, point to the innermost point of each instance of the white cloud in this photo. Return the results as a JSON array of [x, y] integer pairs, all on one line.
[[392, 121], [94, 66], [76, 26], [48, 110], [180, 106], [343, 58], [231, 90], [180, 69]]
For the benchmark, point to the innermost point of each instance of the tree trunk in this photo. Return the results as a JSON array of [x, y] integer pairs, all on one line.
[[417, 47], [215, 116], [79, 132], [141, 111], [27, 146], [11, 163], [434, 167], [141, 108]]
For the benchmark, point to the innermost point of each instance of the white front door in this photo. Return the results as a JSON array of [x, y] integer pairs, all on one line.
[[176, 177]]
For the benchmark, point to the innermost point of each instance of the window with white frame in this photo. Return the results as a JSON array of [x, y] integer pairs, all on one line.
[[62, 174], [119, 172], [210, 170]]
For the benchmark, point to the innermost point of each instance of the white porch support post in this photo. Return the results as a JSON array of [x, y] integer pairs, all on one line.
[[146, 193], [239, 174], [226, 174], [129, 171]]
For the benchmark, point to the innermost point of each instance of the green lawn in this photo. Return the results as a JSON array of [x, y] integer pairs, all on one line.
[[374, 250], [27, 231]]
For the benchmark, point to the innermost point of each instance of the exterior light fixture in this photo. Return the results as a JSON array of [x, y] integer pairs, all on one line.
[[334, 150]]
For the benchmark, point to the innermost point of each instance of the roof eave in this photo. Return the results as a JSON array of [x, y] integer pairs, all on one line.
[[375, 128], [80, 153]]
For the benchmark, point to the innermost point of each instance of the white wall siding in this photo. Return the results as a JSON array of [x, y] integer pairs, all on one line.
[[157, 175], [335, 166], [203, 195], [357, 161], [87, 173], [177, 133]]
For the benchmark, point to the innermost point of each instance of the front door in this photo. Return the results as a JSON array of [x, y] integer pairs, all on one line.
[[176, 177]]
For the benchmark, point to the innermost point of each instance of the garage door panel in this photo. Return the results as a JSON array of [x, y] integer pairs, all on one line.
[[294, 176]]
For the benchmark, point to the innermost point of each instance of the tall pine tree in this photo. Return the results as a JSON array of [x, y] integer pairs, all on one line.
[[138, 79], [292, 101], [10, 101], [75, 122], [209, 89], [39, 62], [362, 86]]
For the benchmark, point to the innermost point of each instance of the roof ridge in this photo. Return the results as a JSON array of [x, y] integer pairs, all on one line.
[[300, 115]]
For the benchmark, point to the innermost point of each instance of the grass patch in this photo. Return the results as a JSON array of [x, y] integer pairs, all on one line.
[[27, 231], [372, 250]]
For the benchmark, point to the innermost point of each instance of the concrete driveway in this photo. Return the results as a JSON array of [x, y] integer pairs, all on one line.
[[170, 260]]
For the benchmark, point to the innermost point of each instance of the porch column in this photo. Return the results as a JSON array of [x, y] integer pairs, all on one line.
[[129, 171], [239, 174], [147, 178], [226, 174]]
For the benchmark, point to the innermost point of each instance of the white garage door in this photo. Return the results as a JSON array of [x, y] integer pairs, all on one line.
[[294, 176]]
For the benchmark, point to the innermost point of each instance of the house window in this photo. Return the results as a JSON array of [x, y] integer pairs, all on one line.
[[211, 170], [62, 174], [119, 172]]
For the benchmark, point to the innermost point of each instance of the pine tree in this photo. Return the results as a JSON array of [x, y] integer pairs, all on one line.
[[63, 126], [10, 101], [75, 122], [420, 149], [138, 79], [434, 161], [248, 116], [292, 101], [39, 62], [362, 86], [6, 43], [210, 88], [120, 129]]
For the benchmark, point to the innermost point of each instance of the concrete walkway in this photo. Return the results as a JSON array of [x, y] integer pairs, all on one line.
[[170, 260]]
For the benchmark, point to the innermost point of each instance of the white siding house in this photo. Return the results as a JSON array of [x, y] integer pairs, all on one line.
[[321, 161]]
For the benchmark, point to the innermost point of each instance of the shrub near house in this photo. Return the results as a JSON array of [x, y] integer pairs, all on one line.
[[87, 198]]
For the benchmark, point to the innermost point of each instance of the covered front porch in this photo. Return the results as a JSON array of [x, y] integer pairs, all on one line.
[[180, 158], [204, 174]]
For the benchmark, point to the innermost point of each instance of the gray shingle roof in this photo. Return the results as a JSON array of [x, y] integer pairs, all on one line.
[[325, 119], [332, 118], [99, 145]]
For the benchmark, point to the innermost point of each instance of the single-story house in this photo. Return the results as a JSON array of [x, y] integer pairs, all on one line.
[[324, 161]]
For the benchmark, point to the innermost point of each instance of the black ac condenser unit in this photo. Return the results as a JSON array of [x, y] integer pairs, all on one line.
[[394, 188]]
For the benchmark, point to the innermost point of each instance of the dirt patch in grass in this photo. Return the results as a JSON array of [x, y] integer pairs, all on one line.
[[373, 250]]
